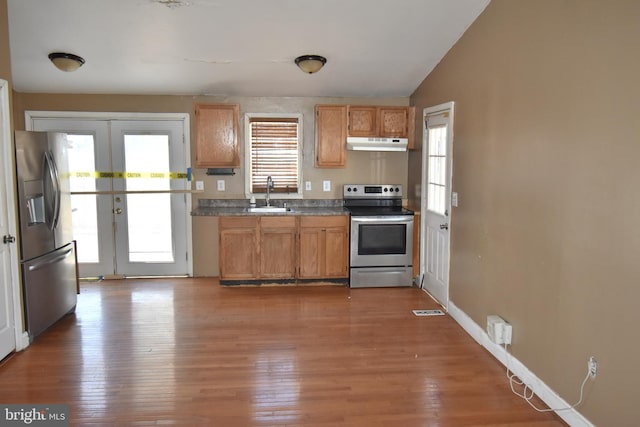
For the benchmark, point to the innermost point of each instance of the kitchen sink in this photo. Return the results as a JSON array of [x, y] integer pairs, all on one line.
[[269, 209]]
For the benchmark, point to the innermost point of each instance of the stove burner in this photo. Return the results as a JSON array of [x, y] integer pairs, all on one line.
[[374, 200]]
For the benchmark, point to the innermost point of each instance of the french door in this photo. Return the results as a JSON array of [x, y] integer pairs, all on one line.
[[436, 200], [129, 216]]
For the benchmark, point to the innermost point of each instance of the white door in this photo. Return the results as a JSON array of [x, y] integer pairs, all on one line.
[[127, 234], [436, 200], [7, 330], [150, 227]]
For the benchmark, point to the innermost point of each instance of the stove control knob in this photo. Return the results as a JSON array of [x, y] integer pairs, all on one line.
[[355, 189], [386, 189], [348, 189], [397, 190]]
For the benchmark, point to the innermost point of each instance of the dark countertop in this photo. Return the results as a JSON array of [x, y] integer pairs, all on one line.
[[239, 207], [243, 211]]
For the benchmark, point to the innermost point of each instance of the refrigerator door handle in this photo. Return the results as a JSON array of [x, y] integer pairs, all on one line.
[[50, 260], [55, 183]]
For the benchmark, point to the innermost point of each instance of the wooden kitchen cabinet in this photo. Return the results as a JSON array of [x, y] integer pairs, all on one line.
[[324, 247], [284, 247], [331, 136], [393, 122], [363, 120], [239, 248], [278, 247], [217, 130], [382, 122]]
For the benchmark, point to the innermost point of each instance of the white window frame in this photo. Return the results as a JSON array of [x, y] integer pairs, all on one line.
[[247, 157]]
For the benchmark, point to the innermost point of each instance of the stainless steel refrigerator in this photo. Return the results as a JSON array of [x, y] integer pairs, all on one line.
[[48, 258]]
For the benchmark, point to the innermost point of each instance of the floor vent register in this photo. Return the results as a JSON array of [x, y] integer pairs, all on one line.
[[428, 312]]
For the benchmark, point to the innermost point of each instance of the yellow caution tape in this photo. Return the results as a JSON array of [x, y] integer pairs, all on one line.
[[130, 175]]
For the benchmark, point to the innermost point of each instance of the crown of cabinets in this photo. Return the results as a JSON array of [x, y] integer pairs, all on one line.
[[217, 132], [335, 122]]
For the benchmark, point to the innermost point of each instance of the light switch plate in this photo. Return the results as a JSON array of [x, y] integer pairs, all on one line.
[[307, 186], [454, 199], [326, 185], [200, 185], [221, 185]]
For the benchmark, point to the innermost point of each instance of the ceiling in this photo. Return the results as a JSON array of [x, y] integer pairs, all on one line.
[[380, 48]]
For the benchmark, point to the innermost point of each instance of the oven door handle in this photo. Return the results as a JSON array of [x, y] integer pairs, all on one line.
[[400, 218]]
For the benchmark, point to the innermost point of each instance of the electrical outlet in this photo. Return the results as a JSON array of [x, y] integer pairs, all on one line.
[[499, 330], [221, 185], [200, 185], [307, 186], [326, 185], [592, 364]]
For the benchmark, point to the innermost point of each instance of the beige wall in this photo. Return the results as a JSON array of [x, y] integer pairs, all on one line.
[[546, 150], [5, 62], [362, 167]]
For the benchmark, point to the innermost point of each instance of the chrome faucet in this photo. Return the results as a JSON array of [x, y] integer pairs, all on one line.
[[269, 188]]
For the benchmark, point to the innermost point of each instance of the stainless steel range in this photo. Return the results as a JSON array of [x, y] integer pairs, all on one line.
[[381, 240]]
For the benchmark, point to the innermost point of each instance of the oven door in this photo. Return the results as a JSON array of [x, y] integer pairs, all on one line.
[[378, 241]]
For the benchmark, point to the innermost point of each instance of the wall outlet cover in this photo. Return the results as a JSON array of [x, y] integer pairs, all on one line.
[[221, 185], [307, 185], [200, 185], [326, 185]]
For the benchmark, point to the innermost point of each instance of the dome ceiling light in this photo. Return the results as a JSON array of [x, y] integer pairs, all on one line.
[[310, 63], [66, 61]]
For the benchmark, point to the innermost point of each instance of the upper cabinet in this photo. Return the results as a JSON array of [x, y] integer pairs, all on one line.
[[335, 122], [217, 133], [363, 120], [383, 122], [331, 136], [394, 122]]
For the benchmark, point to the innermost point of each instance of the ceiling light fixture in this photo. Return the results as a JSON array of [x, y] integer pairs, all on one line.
[[310, 63], [66, 61]]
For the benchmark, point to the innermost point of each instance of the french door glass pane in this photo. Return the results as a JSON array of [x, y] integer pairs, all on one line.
[[148, 215], [84, 210]]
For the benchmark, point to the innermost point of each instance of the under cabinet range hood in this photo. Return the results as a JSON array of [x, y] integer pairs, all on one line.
[[377, 144]]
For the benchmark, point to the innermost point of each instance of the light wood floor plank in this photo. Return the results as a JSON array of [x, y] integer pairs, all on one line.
[[189, 352]]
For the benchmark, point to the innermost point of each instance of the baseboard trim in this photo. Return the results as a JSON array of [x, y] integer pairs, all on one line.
[[543, 391], [23, 342]]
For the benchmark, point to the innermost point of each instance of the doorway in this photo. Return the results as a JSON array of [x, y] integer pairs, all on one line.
[[435, 227], [10, 307], [129, 192]]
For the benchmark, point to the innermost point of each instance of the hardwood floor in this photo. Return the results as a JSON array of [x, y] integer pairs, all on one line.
[[189, 352]]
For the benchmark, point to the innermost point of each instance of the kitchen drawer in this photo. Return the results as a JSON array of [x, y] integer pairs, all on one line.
[[324, 221], [278, 221], [238, 221]]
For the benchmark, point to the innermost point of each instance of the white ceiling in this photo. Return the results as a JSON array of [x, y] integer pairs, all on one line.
[[374, 48]]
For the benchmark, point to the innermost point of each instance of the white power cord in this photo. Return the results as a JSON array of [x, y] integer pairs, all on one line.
[[527, 393]]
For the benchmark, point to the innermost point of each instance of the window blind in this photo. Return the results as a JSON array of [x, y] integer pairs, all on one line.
[[274, 152]]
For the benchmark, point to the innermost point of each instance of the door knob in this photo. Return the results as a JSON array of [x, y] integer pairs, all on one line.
[[8, 239], [118, 211], [444, 226]]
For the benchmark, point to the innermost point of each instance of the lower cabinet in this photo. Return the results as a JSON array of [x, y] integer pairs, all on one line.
[[286, 248], [278, 247], [324, 247], [238, 247]]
